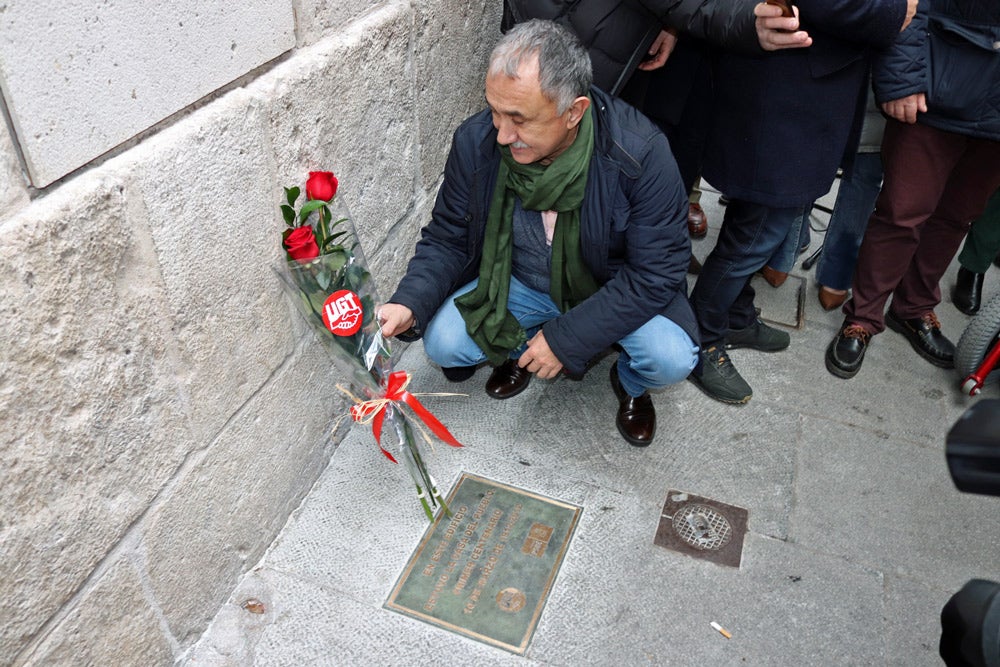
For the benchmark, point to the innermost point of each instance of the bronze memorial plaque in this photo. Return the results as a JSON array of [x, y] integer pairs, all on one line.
[[486, 571]]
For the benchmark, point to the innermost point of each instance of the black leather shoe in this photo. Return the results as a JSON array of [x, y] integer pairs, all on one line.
[[968, 293], [508, 380], [458, 373], [924, 334], [847, 350], [636, 419]]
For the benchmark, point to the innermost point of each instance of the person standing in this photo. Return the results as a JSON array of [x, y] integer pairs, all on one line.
[[982, 246], [940, 86], [783, 124], [859, 187]]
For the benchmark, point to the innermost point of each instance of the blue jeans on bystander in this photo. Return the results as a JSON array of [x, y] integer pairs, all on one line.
[[859, 188]]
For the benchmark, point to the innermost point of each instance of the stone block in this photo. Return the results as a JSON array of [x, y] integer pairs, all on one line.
[[13, 191], [346, 105], [389, 262], [80, 81], [207, 189], [453, 41], [229, 504], [111, 624], [316, 19], [91, 424]]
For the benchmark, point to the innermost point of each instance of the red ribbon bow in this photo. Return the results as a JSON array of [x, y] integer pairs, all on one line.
[[395, 391]]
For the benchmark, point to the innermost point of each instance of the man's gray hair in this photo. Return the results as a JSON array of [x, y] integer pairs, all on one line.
[[564, 69]]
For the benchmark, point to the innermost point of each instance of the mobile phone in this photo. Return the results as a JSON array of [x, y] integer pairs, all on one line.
[[786, 6]]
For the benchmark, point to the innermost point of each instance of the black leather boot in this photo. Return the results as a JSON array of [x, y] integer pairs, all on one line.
[[968, 293]]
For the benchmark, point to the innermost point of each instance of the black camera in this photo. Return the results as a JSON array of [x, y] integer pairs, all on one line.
[[970, 621]]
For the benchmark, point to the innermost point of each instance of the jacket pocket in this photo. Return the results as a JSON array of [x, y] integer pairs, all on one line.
[[617, 237], [830, 55], [964, 67]]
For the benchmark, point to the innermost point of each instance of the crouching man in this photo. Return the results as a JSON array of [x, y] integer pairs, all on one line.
[[559, 230]]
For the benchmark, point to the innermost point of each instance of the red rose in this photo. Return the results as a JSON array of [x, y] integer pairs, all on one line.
[[321, 185], [301, 244]]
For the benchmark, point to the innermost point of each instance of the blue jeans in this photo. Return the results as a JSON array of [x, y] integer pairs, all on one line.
[[657, 354], [859, 188], [784, 257], [750, 235]]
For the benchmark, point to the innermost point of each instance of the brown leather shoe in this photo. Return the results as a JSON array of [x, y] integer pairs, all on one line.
[[507, 380], [697, 222], [774, 277], [831, 299], [636, 419]]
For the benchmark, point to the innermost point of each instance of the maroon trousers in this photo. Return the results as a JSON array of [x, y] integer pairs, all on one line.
[[936, 183]]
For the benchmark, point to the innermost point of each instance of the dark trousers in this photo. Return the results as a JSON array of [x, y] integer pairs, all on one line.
[[936, 183], [723, 297]]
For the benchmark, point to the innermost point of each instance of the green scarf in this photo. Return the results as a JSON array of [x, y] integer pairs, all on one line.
[[557, 187]]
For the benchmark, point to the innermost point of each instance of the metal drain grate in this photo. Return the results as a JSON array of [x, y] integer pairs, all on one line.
[[702, 528]]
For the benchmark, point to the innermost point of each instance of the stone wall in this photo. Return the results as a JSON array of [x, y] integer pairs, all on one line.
[[162, 407]]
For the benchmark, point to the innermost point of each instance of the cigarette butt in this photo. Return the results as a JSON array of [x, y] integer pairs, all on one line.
[[722, 631]]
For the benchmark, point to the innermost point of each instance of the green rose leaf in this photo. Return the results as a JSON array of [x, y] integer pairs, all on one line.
[[309, 208], [323, 278]]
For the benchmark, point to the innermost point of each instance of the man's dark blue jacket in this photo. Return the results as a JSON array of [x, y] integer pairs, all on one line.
[[951, 52], [633, 232], [784, 121]]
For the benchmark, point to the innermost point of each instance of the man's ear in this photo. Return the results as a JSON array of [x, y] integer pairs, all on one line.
[[576, 111]]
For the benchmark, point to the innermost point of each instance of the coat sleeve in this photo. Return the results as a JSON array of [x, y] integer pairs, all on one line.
[[901, 69], [442, 256], [726, 23], [653, 267]]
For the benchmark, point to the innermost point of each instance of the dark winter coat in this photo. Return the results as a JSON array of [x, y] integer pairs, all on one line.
[[633, 233], [951, 52], [618, 33], [784, 121]]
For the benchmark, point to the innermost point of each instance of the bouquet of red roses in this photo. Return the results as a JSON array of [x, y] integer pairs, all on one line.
[[328, 278]]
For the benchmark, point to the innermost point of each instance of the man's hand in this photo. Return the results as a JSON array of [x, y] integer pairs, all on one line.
[[394, 318], [777, 32], [661, 49], [911, 10], [905, 108], [539, 359]]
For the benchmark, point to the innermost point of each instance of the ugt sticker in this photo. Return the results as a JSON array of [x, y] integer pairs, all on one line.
[[342, 313]]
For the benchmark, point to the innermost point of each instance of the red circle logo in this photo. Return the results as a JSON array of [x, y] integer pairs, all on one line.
[[342, 313]]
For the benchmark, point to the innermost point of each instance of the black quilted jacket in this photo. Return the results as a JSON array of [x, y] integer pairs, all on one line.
[[618, 33], [951, 52]]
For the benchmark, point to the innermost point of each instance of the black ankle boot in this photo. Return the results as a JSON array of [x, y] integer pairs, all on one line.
[[968, 293]]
